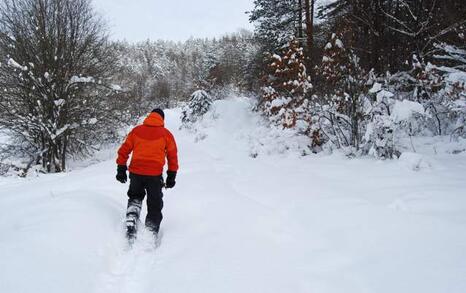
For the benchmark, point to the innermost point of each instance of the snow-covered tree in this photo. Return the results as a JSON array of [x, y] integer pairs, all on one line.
[[344, 105], [276, 21], [56, 97], [199, 104], [386, 33], [284, 98]]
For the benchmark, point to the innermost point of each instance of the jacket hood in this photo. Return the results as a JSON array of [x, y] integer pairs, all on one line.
[[154, 119]]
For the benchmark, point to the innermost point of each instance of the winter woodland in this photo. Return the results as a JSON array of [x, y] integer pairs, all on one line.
[[351, 75], [323, 151]]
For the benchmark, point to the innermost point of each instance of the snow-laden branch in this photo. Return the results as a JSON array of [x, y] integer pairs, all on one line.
[[12, 63], [81, 79]]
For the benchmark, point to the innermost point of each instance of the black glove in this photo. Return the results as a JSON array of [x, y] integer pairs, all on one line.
[[170, 182], [121, 174]]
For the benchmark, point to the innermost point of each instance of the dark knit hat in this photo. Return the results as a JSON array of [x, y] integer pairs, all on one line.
[[159, 111]]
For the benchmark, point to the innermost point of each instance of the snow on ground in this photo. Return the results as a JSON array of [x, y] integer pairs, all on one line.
[[279, 222]]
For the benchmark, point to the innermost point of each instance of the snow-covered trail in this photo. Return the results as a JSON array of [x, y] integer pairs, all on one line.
[[237, 224]]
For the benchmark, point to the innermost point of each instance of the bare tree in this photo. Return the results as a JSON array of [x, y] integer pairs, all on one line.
[[56, 93]]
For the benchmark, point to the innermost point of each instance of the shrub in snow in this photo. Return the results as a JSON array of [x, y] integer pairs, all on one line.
[[441, 91], [199, 104], [366, 113], [369, 114], [380, 124], [346, 104], [424, 108], [381, 137], [284, 99], [454, 86], [378, 139]]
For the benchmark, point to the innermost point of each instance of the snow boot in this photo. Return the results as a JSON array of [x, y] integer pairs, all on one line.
[[154, 230], [131, 228], [132, 218]]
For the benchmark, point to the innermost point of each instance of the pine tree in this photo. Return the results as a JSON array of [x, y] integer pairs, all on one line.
[[277, 21], [199, 104]]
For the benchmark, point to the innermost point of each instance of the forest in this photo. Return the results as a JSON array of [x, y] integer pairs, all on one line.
[[334, 71]]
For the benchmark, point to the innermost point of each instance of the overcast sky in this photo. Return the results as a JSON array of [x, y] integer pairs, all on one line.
[[136, 20]]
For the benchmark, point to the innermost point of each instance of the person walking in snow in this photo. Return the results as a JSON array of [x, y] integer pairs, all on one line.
[[149, 144]]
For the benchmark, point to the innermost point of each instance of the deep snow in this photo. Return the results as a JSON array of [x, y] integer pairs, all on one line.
[[279, 222]]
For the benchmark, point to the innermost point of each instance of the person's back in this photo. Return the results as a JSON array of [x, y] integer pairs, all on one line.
[[149, 144]]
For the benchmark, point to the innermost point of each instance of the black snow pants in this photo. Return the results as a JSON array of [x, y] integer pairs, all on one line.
[[138, 187]]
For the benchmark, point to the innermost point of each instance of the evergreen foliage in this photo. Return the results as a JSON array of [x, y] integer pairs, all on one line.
[[199, 104]]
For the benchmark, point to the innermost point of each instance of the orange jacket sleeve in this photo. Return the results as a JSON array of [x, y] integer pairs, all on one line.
[[172, 153], [125, 149]]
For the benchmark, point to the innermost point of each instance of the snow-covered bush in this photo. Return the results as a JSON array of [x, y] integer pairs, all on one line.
[[427, 100], [440, 89], [378, 139], [454, 88], [428, 109], [388, 119], [199, 104]]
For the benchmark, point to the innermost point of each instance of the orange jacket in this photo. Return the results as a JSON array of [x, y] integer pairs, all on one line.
[[150, 143]]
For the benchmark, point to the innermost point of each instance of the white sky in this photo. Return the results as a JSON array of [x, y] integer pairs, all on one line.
[[137, 20]]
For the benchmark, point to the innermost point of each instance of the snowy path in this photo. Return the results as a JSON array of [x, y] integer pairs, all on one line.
[[237, 224]]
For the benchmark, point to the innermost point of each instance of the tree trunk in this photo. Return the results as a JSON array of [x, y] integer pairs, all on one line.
[[64, 152], [300, 22], [309, 12], [354, 124]]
